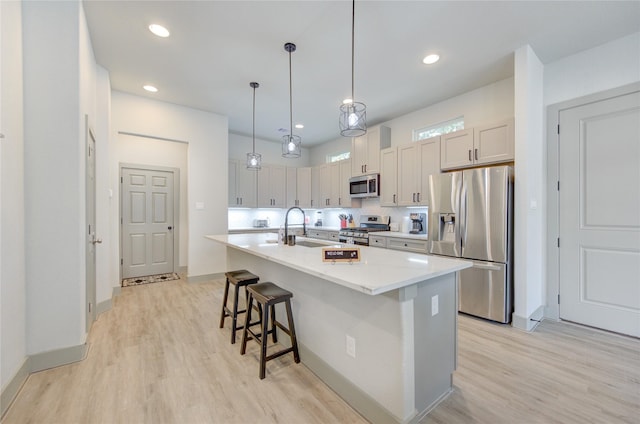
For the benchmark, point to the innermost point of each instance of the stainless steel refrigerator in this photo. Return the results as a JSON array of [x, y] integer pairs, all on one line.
[[471, 217]]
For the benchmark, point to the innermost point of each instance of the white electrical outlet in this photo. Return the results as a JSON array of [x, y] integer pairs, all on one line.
[[434, 305], [351, 346]]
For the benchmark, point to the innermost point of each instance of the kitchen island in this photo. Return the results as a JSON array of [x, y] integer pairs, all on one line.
[[380, 332]]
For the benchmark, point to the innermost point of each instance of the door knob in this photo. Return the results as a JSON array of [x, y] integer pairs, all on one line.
[[96, 240], [170, 228]]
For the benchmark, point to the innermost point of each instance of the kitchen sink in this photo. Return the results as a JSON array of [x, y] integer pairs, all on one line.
[[308, 243]]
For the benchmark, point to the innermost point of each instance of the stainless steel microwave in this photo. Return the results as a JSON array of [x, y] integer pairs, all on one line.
[[365, 186]]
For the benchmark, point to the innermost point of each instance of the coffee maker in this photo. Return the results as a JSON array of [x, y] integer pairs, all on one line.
[[418, 223]]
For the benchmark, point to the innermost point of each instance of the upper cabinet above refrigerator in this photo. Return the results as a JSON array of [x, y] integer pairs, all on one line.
[[483, 145]]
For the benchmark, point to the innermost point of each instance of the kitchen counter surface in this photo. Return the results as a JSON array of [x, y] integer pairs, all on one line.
[[379, 270]]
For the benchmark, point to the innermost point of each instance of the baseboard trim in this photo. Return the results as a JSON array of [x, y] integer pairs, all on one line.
[[116, 291], [103, 306], [352, 394], [58, 357], [10, 391], [529, 323], [195, 279], [182, 270]]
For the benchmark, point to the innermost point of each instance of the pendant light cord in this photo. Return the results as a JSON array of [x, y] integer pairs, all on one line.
[[353, 32], [254, 120], [290, 99]]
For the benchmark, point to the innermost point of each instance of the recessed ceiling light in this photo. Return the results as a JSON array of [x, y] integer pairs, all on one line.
[[150, 88], [431, 59], [347, 101], [299, 126], [159, 30]]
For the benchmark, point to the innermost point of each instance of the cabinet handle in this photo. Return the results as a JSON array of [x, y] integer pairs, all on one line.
[[394, 198], [476, 154], [418, 197], [414, 197], [470, 155], [339, 201]]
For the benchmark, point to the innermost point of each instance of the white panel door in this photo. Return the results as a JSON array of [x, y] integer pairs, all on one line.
[[92, 239], [147, 222], [599, 198]]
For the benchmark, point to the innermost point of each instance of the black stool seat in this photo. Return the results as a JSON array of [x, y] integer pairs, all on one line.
[[267, 295], [239, 278]]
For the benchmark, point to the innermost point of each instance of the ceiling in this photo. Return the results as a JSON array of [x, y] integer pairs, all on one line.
[[217, 48]]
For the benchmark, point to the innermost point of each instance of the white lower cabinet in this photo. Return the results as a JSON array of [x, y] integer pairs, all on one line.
[[418, 246], [377, 241]]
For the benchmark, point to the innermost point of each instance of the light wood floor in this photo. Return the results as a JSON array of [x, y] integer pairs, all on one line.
[[158, 357]]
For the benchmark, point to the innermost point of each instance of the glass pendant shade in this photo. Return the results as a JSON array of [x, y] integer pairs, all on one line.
[[353, 119], [254, 160], [291, 146]]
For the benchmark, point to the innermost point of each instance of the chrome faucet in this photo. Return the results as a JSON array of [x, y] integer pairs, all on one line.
[[286, 223]]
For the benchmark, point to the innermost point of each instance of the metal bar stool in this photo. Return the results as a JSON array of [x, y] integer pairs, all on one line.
[[239, 278], [267, 295]]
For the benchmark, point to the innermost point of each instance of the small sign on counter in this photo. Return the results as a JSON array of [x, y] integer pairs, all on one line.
[[340, 254]]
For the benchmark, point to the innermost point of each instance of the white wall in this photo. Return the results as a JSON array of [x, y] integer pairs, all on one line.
[[529, 204], [240, 145], [207, 175], [148, 151], [54, 180], [603, 67], [13, 314]]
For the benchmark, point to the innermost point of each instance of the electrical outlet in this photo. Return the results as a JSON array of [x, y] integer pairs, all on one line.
[[434, 305], [351, 346]]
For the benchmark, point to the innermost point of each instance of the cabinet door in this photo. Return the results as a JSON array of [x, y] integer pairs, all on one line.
[[429, 153], [278, 186], [494, 143], [325, 186], [316, 191], [456, 149], [292, 187], [233, 189], [359, 155], [334, 188], [388, 177], [303, 187], [408, 166], [345, 199], [246, 186]]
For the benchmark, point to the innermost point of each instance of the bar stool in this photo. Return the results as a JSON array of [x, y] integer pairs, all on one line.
[[239, 278], [267, 295]]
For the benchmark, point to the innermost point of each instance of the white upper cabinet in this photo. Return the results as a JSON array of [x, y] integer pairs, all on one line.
[[242, 185], [365, 150], [272, 183], [416, 161], [389, 177], [478, 146], [298, 187]]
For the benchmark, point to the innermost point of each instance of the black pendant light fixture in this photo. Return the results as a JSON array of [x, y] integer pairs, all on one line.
[[291, 144], [353, 115], [254, 160]]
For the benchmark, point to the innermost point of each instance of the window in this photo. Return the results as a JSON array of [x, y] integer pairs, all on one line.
[[339, 156], [439, 129]]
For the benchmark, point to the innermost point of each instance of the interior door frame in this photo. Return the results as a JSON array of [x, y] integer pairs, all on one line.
[[552, 308], [176, 208], [90, 216]]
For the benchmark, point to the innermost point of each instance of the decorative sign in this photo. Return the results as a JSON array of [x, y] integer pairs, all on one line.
[[340, 254]]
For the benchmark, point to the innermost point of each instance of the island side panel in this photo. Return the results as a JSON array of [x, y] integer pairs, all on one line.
[[325, 313], [435, 340]]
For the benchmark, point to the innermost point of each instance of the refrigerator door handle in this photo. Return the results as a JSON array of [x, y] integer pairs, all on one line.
[[486, 265], [462, 219]]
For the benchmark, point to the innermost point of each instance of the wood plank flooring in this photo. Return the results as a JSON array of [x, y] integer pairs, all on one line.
[[158, 357]]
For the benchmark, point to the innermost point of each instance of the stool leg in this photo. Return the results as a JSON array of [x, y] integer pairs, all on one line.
[[223, 314], [263, 341], [292, 332], [234, 314], [243, 348], [274, 330]]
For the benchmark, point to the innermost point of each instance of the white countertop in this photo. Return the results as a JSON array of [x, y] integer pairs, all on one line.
[[379, 270]]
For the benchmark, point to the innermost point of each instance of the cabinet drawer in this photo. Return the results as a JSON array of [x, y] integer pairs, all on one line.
[[317, 234], [334, 236], [418, 246], [378, 241]]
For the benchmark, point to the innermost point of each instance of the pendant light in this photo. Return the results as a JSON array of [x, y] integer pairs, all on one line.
[[291, 144], [353, 115], [254, 160]]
